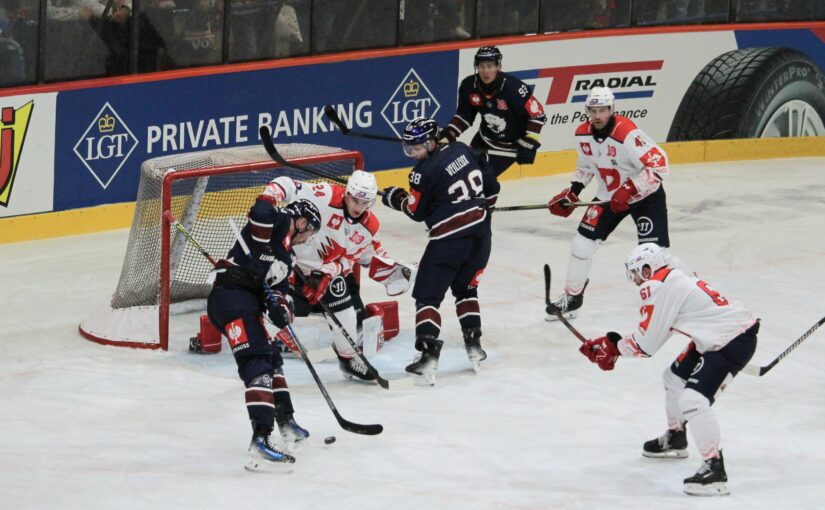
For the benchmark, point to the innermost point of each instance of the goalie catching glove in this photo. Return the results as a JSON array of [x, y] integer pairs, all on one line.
[[396, 277], [603, 351]]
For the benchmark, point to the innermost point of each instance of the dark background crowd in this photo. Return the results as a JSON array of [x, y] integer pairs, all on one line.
[[45, 41]]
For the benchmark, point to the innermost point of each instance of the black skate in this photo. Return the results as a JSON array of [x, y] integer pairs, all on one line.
[[670, 445], [354, 369], [265, 455], [567, 306], [710, 480], [292, 433], [472, 344], [426, 363]]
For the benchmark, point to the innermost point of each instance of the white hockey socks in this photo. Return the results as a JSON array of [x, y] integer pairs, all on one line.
[[674, 385], [578, 267], [703, 424]]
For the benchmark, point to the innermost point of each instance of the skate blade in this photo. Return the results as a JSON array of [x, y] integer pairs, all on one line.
[[264, 466], [551, 317], [357, 379], [424, 379], [671, 454], [711, 489]]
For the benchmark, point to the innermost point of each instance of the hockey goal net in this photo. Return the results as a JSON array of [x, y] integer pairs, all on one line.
[[162, 272]]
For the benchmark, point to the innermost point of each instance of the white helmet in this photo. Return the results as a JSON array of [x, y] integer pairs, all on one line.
[[646, 254], [600, 96], [361, 185]]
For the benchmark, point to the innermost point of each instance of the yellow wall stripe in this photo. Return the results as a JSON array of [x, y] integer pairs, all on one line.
[[110, 217]]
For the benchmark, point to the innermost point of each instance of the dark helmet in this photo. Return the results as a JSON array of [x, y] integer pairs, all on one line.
[[419, 132], [305, 209], [487, 54]]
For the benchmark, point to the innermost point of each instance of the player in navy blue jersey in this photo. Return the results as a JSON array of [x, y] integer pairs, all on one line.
[[236, 307], [511, 118], [451, 190]]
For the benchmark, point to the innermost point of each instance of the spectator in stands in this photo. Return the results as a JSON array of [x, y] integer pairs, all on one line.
[[252, 27]]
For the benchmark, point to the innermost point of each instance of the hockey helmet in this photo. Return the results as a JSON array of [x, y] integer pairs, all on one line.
[[487, 54], [362, 185], [645, 254], [303, 208], [419, 132], [600, 96]]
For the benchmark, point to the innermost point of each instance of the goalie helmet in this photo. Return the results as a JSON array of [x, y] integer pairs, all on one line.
[[487, 54], [361, 185], [305, 209], [419, 132], [646, 254], [600, 96]]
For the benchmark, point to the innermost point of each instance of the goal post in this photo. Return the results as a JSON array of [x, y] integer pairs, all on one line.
[[162, 273]]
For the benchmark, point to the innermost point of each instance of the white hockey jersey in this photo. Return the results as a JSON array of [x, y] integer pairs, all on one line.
[[627, 153], [673, 302], [342, 242]]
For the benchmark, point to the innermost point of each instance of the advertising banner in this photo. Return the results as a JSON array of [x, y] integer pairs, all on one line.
[[26, 154]]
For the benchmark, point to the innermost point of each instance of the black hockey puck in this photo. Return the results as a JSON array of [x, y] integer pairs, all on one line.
[[329, 440]]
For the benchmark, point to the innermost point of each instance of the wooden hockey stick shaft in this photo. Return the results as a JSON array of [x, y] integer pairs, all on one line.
[[564, 321], [760, 371], [332, 115], [543, 206]]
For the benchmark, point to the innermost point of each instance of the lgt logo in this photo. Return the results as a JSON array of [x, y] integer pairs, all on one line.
[[106, 145], [411, 99]]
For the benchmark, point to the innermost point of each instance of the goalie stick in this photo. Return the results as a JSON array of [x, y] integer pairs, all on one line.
[[356, 428], [544, 206], [760, 371], [332, 115], [564, 321]]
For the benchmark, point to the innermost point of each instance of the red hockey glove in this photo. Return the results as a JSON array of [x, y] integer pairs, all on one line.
[[603, 350], [559, 204], [621, 197], [316, 286]]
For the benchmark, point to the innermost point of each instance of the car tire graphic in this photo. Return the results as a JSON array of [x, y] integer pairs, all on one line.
[[753, 93]]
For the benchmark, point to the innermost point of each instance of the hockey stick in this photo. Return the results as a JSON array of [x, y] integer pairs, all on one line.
[[329, 315], [332, 115], [543, 206], [564, 321], [760, 371], [357, 428]]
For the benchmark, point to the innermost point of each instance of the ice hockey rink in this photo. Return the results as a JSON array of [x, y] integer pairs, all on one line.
[[86, 426]]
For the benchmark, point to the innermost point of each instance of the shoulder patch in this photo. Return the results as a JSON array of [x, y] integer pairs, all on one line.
[[661, 274], [370, 221], [623, 127], [337, 198], [584, 129]]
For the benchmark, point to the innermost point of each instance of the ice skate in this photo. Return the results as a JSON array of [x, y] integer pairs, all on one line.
[[567, 306], [354, 368], [265, 456], [710, 480], [292, 433], [670, 445], [425, 364], [472, 344]]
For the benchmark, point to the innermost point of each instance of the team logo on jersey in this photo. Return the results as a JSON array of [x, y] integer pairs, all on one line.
[[611, 151], [586, 149], [335, 221], [105, 145], [501, 104], [653, 158], [644, 226], [533, 106], [236, 333], [357, 237], [591, 216], [13, 126], [475, 99], [411, 99]]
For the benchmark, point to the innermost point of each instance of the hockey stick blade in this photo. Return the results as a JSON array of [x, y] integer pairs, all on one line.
[[760, 371], [332, 115], [542, 206], [547, 284]]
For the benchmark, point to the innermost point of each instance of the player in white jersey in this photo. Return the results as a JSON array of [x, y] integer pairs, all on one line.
[[348, 236], [629, 168], [722, 341]]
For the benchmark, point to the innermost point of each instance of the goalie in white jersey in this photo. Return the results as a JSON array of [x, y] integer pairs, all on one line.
[[629, 168], [722, 341], [348, 236]]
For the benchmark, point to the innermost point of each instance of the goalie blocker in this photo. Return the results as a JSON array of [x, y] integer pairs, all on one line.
[[381, 324]]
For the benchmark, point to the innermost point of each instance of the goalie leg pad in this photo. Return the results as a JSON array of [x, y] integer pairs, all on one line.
[[208, 339], [388, 311], [372, 335]]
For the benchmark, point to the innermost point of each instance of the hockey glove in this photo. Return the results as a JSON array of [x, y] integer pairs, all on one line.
[[278, 310], [526, 148], [445, 135], [316, 286], [393, 197], [559, 205], [602, 351], [621, 197]]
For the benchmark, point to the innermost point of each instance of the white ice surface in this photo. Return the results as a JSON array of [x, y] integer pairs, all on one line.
[[85, 426]]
